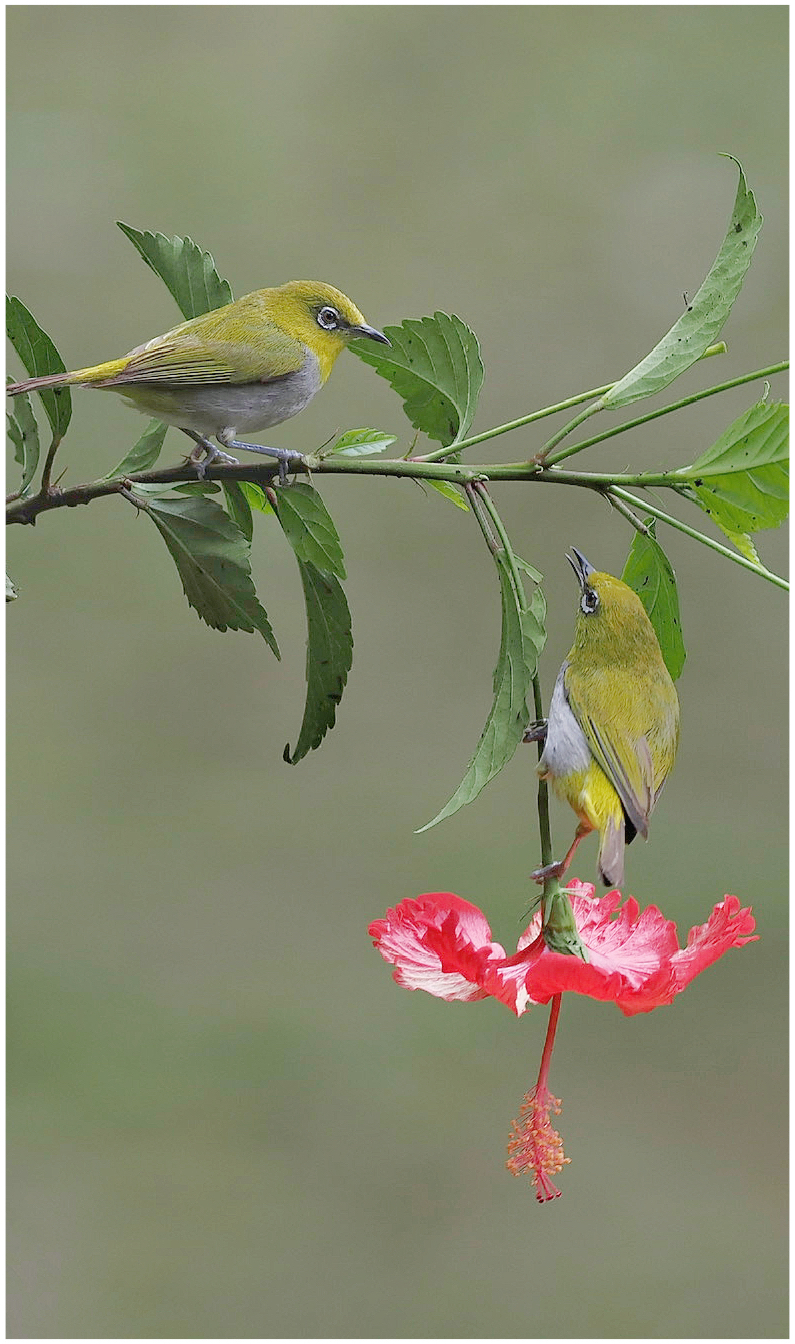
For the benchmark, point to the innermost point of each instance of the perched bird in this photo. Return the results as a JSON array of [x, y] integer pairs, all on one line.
[[237, 369], [613, 726]]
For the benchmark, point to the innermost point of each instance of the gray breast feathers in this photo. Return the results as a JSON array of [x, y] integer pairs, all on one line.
[[566, 748]]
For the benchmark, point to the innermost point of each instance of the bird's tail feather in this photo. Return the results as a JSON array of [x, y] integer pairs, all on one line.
[[96, 375], [611, 853]]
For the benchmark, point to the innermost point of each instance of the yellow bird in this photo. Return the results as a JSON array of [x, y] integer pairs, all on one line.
[[613, 727], [235, 370]]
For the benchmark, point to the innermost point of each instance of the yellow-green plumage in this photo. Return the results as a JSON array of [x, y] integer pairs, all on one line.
[[246, 366], [613, 726]]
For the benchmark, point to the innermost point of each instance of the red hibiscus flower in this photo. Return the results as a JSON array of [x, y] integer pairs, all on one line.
[[442, 944]]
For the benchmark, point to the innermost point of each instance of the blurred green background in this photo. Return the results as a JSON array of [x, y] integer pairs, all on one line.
[[225, 1120]]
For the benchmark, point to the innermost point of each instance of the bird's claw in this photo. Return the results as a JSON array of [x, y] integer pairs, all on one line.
[[211, 456], [540, 875], [536, 732]]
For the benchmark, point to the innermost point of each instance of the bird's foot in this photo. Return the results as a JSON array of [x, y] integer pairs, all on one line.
[[286, 457], [205, 454], [536, 732], [540, 875]]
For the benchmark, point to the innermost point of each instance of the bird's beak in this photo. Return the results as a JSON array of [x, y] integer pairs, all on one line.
[[372, 332], [580, 566]]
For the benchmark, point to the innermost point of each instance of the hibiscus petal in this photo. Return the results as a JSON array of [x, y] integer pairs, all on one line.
[[439, 943]]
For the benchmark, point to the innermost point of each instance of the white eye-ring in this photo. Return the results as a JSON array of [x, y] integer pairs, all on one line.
[[328, 318], [589, 601]]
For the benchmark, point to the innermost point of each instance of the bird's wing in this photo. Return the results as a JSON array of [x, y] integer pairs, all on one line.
[[209, 349], [626, 760]]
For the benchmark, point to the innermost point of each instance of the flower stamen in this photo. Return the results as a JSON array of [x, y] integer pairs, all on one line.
[[534, 1147]]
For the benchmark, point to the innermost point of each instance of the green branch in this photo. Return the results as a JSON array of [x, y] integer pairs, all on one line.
[[666, 410], [440, 453]]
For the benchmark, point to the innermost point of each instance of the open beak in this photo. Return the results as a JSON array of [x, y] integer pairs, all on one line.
[[580, 566], [372, 332]]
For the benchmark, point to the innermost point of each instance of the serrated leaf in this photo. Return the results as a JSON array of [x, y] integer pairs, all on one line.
[[309, 529], [451, 492], [329, 655], [744, 544], [238, 508], [746, 501], [143, 454], [212, 558], [742, 481], [649, 573], [435, 366], [24, 434], [12, 592], [698, 327], [358, 443], [521, 642], [757, 438], [186, 270], [40, 357]]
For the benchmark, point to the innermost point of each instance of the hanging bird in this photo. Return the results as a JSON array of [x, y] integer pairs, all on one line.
[[613, 726], [237, 369]]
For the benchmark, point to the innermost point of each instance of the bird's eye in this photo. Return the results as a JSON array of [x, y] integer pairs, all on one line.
[[328, 318], [589, 601]]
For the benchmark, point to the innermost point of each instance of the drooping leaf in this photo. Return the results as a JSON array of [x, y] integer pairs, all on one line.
[[358, 443], [530, 570], [649, 573], [329, 655], [699, 325], [40, 357], [309, 529], [434, 364], [451, 492], [12, 592], [212, 558], [187, 271], [521, 642], [238, 508], [143, 454], [742, 481], [24, 434]]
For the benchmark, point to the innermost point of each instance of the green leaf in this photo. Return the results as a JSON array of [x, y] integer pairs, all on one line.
[[698, 327], [522, 640], [24, 434], [186, 270], [40, 357], [309, 529], [329, 655], [238, 508], [451, 492], [164, 489], [530, 570], [648, 572], [256, 496], [212, 558], [435, 366], [742, 481], [143, 454], [743, 543], [358, 443], [12, 592], [757, 438]]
